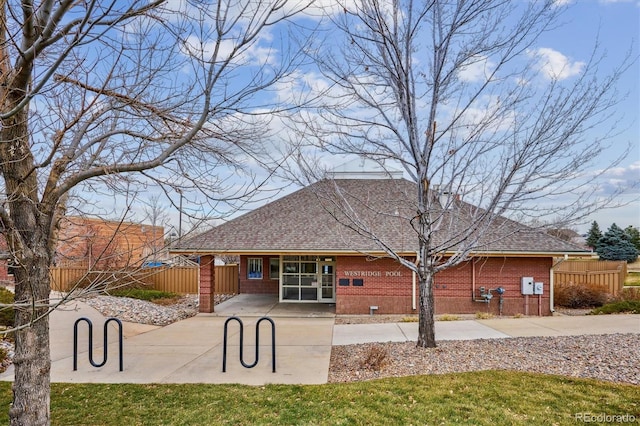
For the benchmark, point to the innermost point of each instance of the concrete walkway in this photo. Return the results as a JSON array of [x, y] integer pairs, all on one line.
[[191, 351], [489, 329]]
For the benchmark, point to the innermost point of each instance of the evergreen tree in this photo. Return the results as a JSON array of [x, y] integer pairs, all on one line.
[[615, 245], [634, 236], [594, 235]]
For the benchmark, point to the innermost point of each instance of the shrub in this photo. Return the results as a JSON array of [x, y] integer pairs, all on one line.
[[376, 358], [448, 317], [629, 294], [580, 296], [6, 314], [484, 315], [144, 294], [3, 360], [619, 307]]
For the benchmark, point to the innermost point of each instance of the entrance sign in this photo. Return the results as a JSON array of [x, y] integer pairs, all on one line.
[[372, 273]]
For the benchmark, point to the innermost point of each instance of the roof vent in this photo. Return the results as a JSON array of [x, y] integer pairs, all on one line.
[[446, 196], [364, 168]]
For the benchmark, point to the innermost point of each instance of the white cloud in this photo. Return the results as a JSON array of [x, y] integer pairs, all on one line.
[[299, 84], [321, 8], [477, 69], [622, 178], [252, 54], [555, 65], [487, 114]]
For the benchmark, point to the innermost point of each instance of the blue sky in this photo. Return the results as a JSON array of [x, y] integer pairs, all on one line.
[[615, 26], [610, 28]]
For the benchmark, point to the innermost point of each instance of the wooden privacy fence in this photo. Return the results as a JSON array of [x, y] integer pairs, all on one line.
[[176, 279], [226, 279], [602, 273], [62, 279]]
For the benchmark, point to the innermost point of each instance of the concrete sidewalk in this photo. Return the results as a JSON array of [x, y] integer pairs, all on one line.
[[489, 329], [191, 351]]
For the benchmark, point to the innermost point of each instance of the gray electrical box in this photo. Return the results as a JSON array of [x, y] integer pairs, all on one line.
[[527, 285], [538, 288]]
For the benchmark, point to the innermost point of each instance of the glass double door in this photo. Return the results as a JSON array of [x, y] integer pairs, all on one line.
[[307, 279]]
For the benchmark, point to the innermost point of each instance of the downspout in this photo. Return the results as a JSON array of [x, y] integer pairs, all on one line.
[[473, 279], [552, 282], [473, 286], [414, 305], [413, 290]]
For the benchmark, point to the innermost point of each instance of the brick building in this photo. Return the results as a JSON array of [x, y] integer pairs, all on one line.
[[99, 243], [304, 248], [4, 262], [95, 243]]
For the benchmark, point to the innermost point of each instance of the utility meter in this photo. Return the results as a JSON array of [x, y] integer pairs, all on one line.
[[527, 285], [538, 288]]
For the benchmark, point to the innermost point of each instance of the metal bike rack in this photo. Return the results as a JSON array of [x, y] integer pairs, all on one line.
[[90, 324], [273, 343]]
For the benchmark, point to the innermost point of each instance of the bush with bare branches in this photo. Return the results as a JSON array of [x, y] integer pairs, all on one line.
[[580, 295], [376, 358]]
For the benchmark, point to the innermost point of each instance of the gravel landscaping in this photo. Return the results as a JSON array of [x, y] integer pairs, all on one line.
[[611, 357], [143, 312]]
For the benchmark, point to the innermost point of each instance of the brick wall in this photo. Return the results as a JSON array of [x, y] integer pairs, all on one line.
[[387, 285], [4, 269], [257, 286], [207, 283], [4, 264], [453, 287], [107, 244]]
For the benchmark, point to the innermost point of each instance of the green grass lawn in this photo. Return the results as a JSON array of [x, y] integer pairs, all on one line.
[[480, 398], [633, 278]]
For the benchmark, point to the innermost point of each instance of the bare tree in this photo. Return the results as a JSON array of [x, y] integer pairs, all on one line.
[[453, 91], [96, 98], [155, 214]]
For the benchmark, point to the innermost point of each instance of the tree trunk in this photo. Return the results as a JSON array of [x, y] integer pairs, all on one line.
[[426, 308], [426, 323], [32, 361], [29, 241]]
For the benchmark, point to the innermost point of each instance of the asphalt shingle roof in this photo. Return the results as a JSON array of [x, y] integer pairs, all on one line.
[[314, 218]]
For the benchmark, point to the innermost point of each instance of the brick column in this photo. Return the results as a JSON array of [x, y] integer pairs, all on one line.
[[207, 283]]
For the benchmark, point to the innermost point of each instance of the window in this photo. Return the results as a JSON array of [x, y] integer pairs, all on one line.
[[254, 268], [274, 268], [11, 267]]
